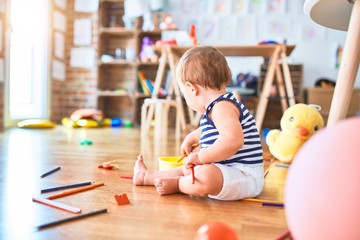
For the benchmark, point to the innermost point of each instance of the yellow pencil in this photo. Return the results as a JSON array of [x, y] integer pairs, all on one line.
[[266, 172], [260, 200]]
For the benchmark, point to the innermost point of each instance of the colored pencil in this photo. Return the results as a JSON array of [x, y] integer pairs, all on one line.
[[50, 172], [282, 165], [65, 187], [71, 219], [185, 155], [73, 191], [127, 177], [273, 204], [259, 200], [266, 172], [57, 205], [181, 158], [193, 175], [284, 235]]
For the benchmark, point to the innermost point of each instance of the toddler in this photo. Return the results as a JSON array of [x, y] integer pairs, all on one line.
[[229, 165]]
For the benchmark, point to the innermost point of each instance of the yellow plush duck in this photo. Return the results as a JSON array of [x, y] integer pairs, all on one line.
[[298, 123]]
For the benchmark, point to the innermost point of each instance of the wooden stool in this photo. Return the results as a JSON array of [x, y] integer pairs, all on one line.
[[162, 107]]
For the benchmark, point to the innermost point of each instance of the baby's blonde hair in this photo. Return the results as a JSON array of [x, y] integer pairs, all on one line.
[[205, 66]]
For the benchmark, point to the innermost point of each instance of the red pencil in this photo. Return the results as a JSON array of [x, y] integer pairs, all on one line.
[[127, 177], [193, 175], [284, 235]]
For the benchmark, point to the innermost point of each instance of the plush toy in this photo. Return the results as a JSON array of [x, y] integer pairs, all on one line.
[[147, 53], [298, 123], [168, 23]]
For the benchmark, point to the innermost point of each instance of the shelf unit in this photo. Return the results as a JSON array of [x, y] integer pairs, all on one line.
[[274, 111], [119, 94]]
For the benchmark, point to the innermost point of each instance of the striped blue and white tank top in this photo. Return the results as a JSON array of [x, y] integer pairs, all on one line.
[[251, 152]]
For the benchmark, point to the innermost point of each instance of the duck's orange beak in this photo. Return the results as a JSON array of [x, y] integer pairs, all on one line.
[[303, 132]]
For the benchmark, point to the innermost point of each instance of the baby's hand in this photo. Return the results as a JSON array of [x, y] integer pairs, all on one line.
[[185, 148], [192, 160]]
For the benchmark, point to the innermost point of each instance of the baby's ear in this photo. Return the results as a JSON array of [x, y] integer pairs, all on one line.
[[194, 88]]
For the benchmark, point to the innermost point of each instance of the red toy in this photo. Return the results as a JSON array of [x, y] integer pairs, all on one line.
[[216, 230], [121, 199], [108, 165], [170, 42]]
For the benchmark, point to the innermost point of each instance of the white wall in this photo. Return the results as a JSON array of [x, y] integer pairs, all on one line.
[[240, 22]]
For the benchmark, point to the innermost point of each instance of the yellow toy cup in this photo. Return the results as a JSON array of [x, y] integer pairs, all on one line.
[[169, 162]]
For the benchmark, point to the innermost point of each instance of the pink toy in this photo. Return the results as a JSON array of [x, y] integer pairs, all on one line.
[[168, 23]]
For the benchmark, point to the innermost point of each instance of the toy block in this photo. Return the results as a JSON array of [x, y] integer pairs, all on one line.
[[120, 199]]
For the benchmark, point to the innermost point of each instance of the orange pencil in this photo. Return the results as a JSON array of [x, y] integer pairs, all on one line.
[[73, 191]]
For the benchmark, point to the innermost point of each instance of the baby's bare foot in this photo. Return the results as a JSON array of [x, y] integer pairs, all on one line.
[[140, 170], [167, 185]]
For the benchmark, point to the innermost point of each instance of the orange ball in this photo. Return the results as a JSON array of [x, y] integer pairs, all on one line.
[[216, 230]]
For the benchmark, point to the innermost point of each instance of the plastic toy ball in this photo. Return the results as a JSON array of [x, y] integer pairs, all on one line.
[[116, 122], [128, 124], [216, 230], [322, 196]]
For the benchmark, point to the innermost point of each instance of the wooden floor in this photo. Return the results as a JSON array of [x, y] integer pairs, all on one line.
[[28, 153]]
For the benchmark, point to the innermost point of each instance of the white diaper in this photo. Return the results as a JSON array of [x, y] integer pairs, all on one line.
[[240, 181]]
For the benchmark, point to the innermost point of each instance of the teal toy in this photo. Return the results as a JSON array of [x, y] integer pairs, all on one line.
[[86, 142]]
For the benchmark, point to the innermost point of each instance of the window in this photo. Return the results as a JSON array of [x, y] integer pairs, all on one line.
[[28, 59]]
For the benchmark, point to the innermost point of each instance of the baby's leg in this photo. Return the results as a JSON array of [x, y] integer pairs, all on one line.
[[209, 180], [144, 176]]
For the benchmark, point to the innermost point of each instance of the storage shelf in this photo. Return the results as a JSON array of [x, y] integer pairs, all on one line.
[[120, 73], [116, 62], [116, 31], [102, 93], [111, 1], [141, 64]]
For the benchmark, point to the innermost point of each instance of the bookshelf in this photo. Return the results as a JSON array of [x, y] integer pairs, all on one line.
[[119, 93]]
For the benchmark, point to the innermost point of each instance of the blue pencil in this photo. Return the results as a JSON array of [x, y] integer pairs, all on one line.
[[65, 187], [273, 204], [282, 165], [50, 172], [71, 219]]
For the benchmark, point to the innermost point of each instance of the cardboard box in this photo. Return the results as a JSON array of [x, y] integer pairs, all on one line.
[[323, 98]]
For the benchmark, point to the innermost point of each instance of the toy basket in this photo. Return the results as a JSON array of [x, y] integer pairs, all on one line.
[[169, 162]]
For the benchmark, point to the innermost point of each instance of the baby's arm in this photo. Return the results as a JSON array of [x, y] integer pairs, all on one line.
[[225, 116], [190, 140]]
